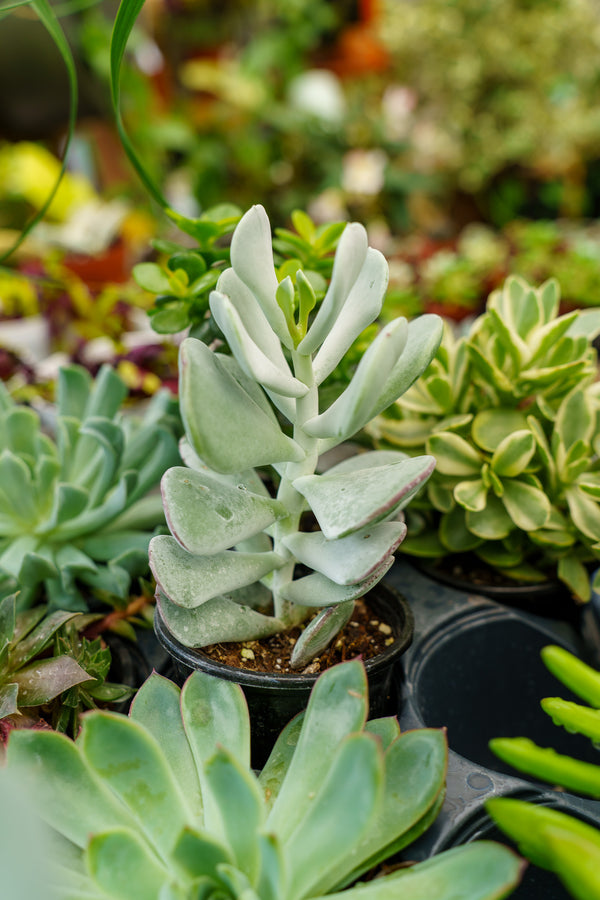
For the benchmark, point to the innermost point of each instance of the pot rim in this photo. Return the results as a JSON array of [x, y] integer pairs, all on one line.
[[382, 593]]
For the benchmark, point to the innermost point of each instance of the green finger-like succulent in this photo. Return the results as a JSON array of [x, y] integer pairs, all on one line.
[[76, 514], [510, 413], [163, 803], [233, 546], [550, 838]]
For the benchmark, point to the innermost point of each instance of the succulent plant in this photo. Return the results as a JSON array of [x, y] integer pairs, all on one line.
[[233, 547], [164, 803], [45, 662], [550, 838], [76, 514], [510, 413]]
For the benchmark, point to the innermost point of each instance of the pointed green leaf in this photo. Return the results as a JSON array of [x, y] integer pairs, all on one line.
[[207, 516], [198, 855], [346, 502], [47, 678], [125, 867], [217, 620], [215, 713], [190, 581], [545, 763], [579, 677], [244, 438], [8, 700], [347, 560], [573, 716], [320, 632]]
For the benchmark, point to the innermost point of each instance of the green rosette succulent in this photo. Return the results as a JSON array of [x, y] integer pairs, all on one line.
[[233, 547], [550, 838], [76, 512], [163, 803], [510, 413]]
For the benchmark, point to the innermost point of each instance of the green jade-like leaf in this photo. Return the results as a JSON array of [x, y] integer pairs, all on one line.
[[347, 502], [546, 763], [578, 676]]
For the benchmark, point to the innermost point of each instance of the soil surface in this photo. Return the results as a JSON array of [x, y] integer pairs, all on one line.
[[365, 635]]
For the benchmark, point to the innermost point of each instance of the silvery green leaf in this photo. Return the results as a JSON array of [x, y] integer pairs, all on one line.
[[252, 359], [250, 478], [349, 259], [254, 320], [424, 337], [252, 261], [320, 632], [316, 590], [347, 560], [222, 619], [367, 460], [355, 406], [247, 436], [346, 502], [207, 516], [360, 309], [190, 580]]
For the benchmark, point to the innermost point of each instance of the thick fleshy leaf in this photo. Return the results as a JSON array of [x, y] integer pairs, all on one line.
[[348, 501], [347, 560], [572, 572], [454, 455], [271, 876], [318, 590], [124, 866], [580, 678], [251, 358], [133, 765], [7, 626], [415, 771], [320, 632], [215, 713], [252, 260], [470, 494], [482, 870], [575, 419], [237, 796], [156, 707], [207, 516], [16, 488], [246, 436], [454, 534], [198, 855], [527, 506], [8, 700], [190, 581], [362, 307], [547, 764], [492, 523], [349, 259], [513, 454], [275, 769], [585, 512], [574, 717], [45, 679], [338, 816], [356, 405], [219, 619], [337, 706], [56, 768]]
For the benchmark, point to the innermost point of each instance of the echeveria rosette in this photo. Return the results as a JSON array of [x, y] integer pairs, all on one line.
[[76, 513], [551, 838], [233, 546], [164, 804], [510, 413]]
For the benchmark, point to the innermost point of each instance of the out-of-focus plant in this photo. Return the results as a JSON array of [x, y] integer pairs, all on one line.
[[510, 413], [505, 92], [550, 838]]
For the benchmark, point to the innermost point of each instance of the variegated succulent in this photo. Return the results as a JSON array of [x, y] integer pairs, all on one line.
[[76, 512], [510, 411], [163, 805], [234, 547]]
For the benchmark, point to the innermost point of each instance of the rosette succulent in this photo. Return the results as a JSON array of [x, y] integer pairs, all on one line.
[[76, 512], [163, 803], [510, 413], [226, 572]]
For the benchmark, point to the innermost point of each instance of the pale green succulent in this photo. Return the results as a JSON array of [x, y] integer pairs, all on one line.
[[163, 805], [234, 547], [76, 513], [510, 413], [550, 838]]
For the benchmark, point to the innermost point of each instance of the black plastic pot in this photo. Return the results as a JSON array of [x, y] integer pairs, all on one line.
[[474, 667], [275, 699]]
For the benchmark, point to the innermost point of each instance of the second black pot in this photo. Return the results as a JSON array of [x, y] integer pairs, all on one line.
[[275, 699]]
